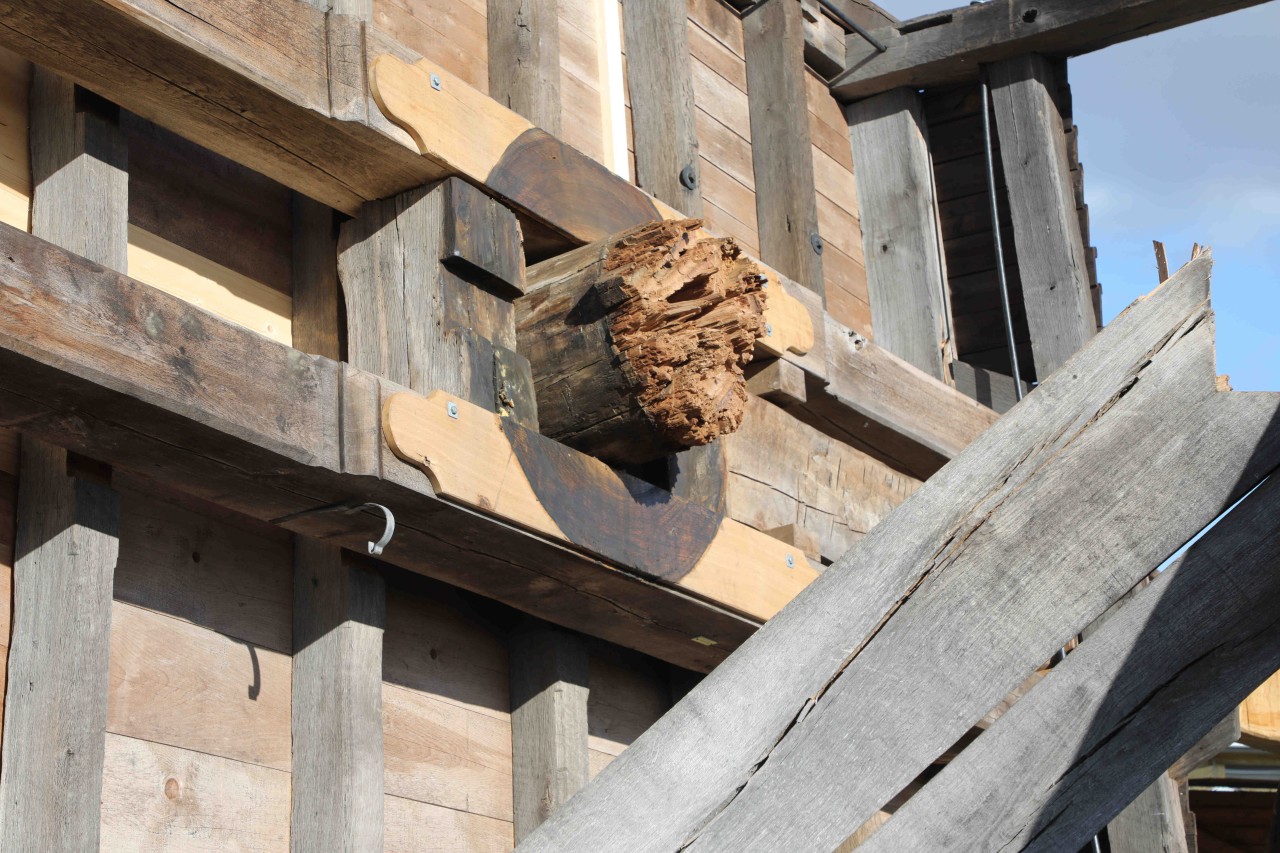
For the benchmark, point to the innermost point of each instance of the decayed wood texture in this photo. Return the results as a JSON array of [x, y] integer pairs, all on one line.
[[268, 431], [660, 81], [786, 208], [55, 710], [906, 272], [524, 59], [1128, 418], [1142, 689], [548, 722], [954, 45], [637, 343], [66, 528], [339, 611], [486, 462], [1046, 228], [783, 472], [1153, 821]]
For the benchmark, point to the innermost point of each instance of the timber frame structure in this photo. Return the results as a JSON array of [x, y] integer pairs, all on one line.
[[413, 410]]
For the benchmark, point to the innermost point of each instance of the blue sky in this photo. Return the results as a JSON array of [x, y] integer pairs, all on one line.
[[1180, 142]]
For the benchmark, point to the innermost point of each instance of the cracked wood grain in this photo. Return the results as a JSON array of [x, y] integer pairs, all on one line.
[[950, 604]]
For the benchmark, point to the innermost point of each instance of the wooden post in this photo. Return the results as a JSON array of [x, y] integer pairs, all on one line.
[[1046, 227], [524, 59], [660, 78], [316, 298], [906, 271], [66, 539], [548, 721], [338, 617], [781, 150], [1151, 822]]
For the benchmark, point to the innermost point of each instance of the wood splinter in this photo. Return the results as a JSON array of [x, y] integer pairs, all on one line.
[[638, 342]]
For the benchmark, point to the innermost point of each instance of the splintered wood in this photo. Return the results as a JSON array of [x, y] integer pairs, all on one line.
[[638, 342]]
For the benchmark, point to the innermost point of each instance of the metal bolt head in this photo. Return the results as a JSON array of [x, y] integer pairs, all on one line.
[[791, 562], [689, 178], [452, 409], [816, 242], [435, 82], [768, 330]]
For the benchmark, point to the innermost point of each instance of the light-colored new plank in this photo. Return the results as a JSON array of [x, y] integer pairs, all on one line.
[[179, 684], [414, 827], [158, 798]]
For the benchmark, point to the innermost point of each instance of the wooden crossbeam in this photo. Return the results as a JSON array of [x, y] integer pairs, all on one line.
[[951, 46], [948, 605]]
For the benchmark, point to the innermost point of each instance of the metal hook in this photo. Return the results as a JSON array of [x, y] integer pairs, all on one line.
[[348, 507]]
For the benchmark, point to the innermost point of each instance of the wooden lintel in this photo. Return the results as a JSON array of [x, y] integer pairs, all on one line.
[[201, 405], [951, 46]]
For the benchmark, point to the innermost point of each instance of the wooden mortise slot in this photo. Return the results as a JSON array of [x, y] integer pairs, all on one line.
[[481, 460]]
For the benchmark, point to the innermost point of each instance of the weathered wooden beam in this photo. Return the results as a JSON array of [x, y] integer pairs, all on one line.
[[548, 721], [1122, 707], [1153, 821], [781, 152], [1046, 518], [902, 242], [823, 40], [67, 524], [207, 407], [951, 46], [1046, 227], [988, 387], [524, 59], [660, 81], [339, 612]]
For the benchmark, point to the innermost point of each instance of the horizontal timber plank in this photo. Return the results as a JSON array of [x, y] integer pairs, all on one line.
[[963, 39]]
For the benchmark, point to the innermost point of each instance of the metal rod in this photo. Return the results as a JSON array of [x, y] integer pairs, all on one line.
[[853, 25], [995, 230]]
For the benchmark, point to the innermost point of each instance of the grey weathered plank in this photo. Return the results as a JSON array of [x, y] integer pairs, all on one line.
[[339, 612], [524, 59], [549, 755], [1046, 228], [660, 81], [786, 203], [906, 272], [952, 48], [1045, 519], [1169, 663], [988, 387], [55, 710], [1152, 822], [1221, 736], [67, 528]]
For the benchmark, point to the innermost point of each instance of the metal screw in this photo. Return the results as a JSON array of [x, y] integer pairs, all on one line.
[[816, 242], [768, 330], [791, 562], [435, 82], [689, 178], [452, 409]]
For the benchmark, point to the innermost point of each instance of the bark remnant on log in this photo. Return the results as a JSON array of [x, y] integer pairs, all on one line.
[[638, 342]]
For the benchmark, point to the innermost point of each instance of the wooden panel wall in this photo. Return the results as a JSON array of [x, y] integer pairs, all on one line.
[[198, 743], [628, 693], [15, 155], [783, 472], [453, 33], [723, 121], [447, 723], [8, 502], [839, 223]]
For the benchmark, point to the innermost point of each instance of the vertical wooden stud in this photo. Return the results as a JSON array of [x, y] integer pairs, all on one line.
[[906, 273], [781, 150], [524, 59], [339, 611], [1046, 227], [1151, 822], [67, 527], [315, 279], [548, 721], [660, 77]]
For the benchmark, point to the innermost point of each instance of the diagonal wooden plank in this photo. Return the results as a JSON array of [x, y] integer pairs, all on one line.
[[1086, 740], [948, 605]]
